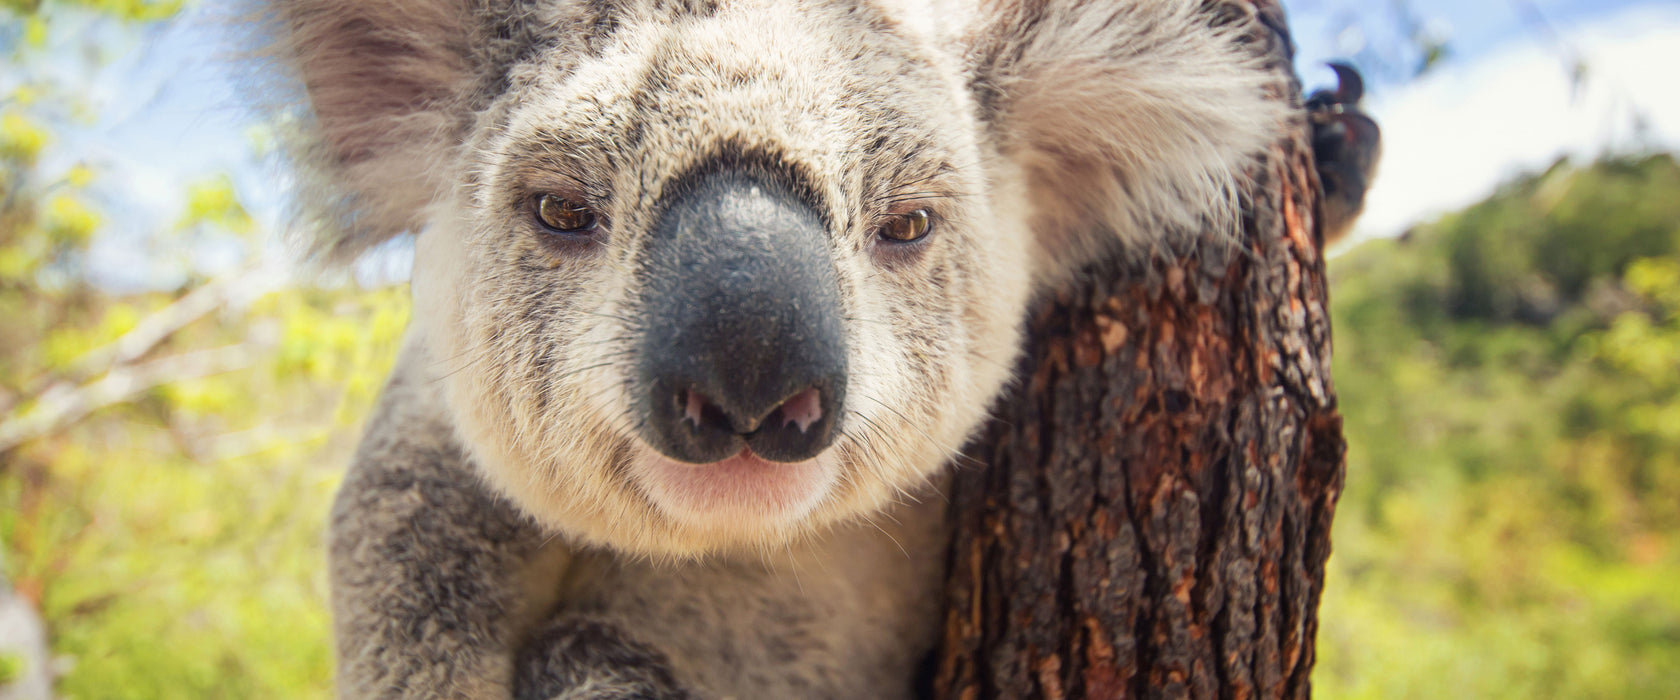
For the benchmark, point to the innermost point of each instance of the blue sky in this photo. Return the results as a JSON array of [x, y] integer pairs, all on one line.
[[170, 107], [1504, 103]]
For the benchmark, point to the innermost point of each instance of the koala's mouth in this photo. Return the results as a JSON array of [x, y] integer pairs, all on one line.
[[744, 490], [747, 490]]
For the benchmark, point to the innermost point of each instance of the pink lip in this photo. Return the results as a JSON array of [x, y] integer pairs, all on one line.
[[743, 460], [744, 485]]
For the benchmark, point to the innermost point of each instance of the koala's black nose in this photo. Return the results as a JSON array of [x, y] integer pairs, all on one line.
[[742, 345]]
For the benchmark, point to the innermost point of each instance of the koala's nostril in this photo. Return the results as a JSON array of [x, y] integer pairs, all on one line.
[[693, 403], [701, 414], [803, 410], [800, 412], [801, 426]]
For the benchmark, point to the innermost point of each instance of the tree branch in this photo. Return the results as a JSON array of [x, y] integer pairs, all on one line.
[[165, 322], [59, 400], [59, 409]]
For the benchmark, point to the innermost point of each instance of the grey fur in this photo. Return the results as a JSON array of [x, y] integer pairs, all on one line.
[[439, 586], [503, 531]]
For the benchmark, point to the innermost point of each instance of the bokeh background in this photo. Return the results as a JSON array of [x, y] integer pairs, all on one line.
[[176, 406]]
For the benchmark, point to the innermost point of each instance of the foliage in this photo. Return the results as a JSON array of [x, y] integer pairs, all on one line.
[[11, 668], [166, 458], [1511, 382], [175, 542]]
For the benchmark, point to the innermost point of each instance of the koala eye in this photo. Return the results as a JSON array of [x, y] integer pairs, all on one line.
[[562, 215], [907, 228]]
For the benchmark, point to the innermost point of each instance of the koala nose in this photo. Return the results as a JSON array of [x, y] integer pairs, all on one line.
[[742, 345]]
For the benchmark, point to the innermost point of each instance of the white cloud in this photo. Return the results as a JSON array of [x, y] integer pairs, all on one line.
[[1454, 136]]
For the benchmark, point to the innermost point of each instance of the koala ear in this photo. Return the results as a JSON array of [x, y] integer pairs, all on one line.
[[383, 80], [1130, 118]]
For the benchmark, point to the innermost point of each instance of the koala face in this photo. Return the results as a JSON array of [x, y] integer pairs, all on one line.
[[777, 291], [717, 275]]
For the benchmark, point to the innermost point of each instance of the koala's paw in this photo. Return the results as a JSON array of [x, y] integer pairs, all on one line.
[[580, 659], [1346, 148]]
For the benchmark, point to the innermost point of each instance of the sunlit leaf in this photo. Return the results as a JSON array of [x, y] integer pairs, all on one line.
[[21, 138], [213, 201], [69, 220]]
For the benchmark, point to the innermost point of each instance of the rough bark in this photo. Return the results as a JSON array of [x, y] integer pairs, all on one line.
[[1152, 517]]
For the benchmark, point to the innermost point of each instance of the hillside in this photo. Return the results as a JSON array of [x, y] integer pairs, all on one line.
[[1510, 376]]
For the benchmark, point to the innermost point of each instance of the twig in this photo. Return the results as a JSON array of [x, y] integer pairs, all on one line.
[[165, 322], [59, 409]]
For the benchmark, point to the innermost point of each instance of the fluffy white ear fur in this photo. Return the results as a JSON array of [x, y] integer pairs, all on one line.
[[385, 79], [1132, 118]]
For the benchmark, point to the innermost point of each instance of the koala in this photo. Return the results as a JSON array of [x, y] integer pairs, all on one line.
[[707, 293]]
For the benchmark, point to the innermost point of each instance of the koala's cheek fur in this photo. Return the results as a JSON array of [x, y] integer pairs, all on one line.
[[498, 321], [936, 344]]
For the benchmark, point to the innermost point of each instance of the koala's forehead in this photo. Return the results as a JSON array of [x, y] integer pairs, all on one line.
[[649, 89]]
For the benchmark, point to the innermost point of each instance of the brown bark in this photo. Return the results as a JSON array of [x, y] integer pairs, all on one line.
[[1153, 514]]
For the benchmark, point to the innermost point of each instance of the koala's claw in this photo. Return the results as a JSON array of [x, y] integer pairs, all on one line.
[[1346, 148], [1350, 89], [581, 659]]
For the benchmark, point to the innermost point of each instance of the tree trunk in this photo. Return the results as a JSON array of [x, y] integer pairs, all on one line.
[[1153, 514]]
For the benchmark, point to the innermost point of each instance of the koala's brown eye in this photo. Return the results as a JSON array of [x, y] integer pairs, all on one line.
[[906, 228], [564, 215]]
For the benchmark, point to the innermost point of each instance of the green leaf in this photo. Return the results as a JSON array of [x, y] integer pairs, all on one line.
[[21, 138]]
